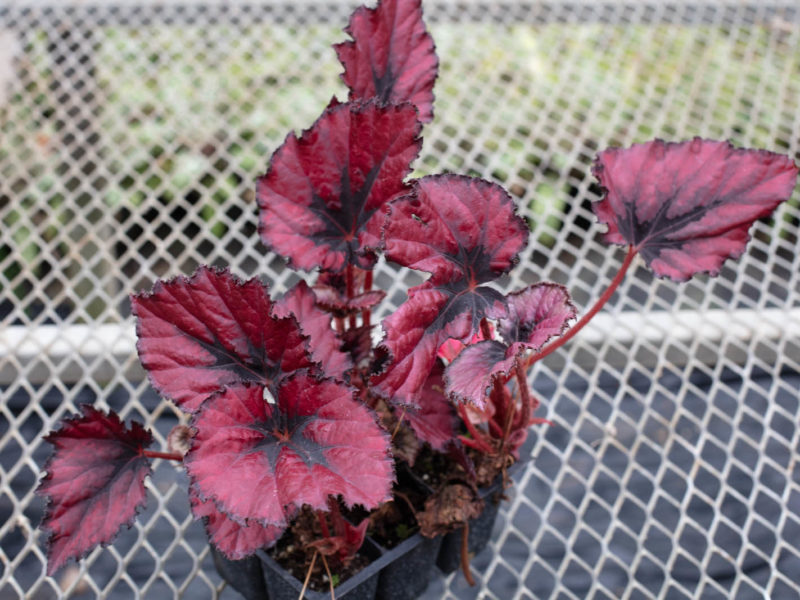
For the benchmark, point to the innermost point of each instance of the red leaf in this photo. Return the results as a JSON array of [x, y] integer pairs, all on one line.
[[686, 207], [94, 483], [347, 540], [255, 459], [465, 232], [330, 300], [392, 57], [322, 201], [461, 230], [198, 335], [434, 421], [471, 375], [314, 322], [536, 314], [234, 540]]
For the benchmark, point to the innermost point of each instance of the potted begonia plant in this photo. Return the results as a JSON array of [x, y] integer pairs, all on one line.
[[328, 450]]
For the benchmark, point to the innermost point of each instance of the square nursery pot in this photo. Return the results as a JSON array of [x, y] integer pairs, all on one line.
[[282, 585], [406, 569], [245, 576]]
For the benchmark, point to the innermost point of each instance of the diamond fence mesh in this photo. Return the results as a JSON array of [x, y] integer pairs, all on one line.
[[130, 139]]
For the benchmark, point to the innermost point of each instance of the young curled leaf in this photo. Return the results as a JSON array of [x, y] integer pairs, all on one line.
[[346, 540], [471, 375], [94, 483], [687, 207], [259, 461], [323, 198], [392, 56], [235, 540], [199, 335], [452, 348], [535, 314]]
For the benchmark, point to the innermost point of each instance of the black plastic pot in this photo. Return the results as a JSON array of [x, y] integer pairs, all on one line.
[[245, 576], [406, 569], [282, 585]]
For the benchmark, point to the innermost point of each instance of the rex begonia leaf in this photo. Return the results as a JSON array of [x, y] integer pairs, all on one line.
[[434, 420], [94, 483], [535, 314], [324, 344], [392, 56], [235, 540], [323, 198], [465, 232], [470, 376], [330, 300], [686, 207], [260, 461], [198, 335]]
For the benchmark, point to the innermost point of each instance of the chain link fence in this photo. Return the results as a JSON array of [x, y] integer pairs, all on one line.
[[130, 139]]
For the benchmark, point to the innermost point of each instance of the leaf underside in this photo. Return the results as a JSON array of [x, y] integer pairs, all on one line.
[[199, 335], [94, 483], [260, 461], [686, 207], [392, 56], [434, 420], [324, 344], [323, 198], [465, 233]]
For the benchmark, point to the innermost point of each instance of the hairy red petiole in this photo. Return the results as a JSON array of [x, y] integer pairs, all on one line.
[[164, 455], [550, 348]]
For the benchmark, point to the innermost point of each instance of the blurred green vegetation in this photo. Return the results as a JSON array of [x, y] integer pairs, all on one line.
[[193, 113]]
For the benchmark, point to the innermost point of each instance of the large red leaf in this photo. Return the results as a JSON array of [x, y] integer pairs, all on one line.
[[259, 461], [322, 201], [465, 232], [94, 483], [234, 540], [686, 207], [324, 344], [535, 314], [198, 335], [392, 57]]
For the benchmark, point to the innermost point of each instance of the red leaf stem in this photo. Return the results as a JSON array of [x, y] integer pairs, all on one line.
[[165, 455], [465, 554], [367, 313], [467, 441], [323, 523], [496, 429], [476, 434], [527, 402], [350, 291], [550, 348]]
